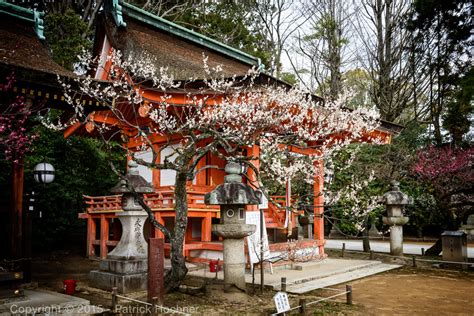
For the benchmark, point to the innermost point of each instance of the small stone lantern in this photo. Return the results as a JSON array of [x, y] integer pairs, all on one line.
[[126, 265], [132, 245], [233, 196], [395, 202]]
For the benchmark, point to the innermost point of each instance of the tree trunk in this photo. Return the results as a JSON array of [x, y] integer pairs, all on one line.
[[434, 250], [452, 224], [178, 271]]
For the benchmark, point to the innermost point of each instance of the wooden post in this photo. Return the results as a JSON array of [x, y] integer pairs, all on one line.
[[206, 227], [159, 219], [156, 173], [27, 235], [154, 301], [262, 271], [288, 207], [156, 269], [16, 210], [114, 299], [188, 236], [302, 304], [104, 236], [283, 284], [414, 261], [318, 187], [349, 294], [91, 231], [343, 249], [217, 268], [371, 255]]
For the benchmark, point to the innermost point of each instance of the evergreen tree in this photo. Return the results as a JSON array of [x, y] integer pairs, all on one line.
[[442, 33]]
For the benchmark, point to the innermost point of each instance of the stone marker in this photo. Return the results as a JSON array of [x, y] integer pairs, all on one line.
[[126, 265], [373, 232], [395, 202], [156, 269], [232, 196]]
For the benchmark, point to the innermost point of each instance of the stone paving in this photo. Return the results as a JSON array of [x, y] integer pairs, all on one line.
[[44, 302], [308, 276]]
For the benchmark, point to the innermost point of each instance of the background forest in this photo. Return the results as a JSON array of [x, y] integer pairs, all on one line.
[[410, 59]]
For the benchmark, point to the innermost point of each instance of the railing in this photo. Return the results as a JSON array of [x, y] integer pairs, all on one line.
[[278, 212], [160, 200], [303, 304], [100, 204], [164, 200], [281, 199]]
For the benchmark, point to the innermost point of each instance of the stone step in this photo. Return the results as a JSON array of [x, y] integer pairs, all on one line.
[[340, 277], [312, 277]]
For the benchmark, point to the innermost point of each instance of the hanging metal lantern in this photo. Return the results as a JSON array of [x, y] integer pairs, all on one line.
[[44, 173]]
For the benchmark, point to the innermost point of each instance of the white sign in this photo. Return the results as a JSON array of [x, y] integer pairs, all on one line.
[[264, 202], [168, 176], [253, 241], [281, 302], [144, 171]]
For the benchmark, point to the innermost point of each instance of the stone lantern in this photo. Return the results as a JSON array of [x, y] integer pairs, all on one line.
[[126, 266], [233, 196], [395, 202]]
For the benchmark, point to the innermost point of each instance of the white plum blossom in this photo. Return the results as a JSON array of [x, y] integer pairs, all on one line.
[[225, 115]]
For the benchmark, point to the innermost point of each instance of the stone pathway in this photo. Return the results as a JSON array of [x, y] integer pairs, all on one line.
[[412, 248]]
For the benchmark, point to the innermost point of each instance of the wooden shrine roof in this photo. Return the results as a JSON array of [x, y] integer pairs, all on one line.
[[170, 45], [21, 49]]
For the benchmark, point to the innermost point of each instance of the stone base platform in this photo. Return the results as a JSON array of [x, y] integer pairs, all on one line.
[[127, 275], [308, 276]]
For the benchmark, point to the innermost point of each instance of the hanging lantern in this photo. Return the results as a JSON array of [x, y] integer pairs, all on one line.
[[90, 126], [44, 173], [144, 109]]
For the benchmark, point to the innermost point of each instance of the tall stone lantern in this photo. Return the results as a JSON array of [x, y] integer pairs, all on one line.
[[126, 266], [395, 202], [232, 196]]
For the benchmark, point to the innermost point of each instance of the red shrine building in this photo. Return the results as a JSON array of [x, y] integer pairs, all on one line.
[[134, 31]]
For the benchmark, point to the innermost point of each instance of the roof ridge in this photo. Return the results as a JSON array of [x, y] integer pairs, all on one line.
[[29, 15]]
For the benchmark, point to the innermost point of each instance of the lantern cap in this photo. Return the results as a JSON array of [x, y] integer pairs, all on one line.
[[395, 196], [135, 180], [233, 191]]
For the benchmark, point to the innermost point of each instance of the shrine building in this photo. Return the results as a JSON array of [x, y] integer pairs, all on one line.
[[136, 32]]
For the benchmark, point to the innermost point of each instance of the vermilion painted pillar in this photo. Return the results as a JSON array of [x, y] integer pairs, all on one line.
[[91, 231], [318, 187], [159, 219], [253, 151], [288, 207], [104, 235], [206, 224], [156, 172]]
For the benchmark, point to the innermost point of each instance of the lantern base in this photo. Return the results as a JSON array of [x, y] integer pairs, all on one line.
[[127, 275]]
